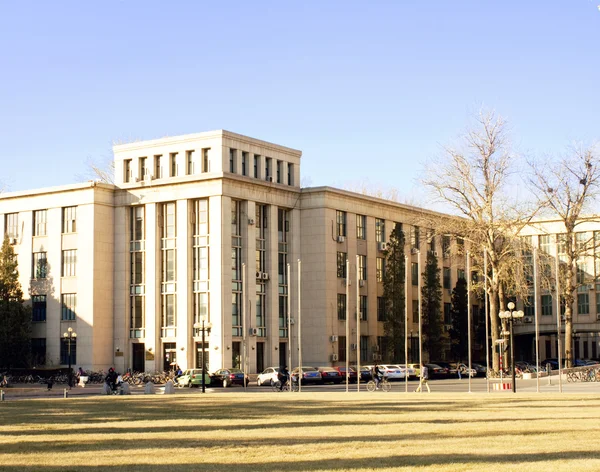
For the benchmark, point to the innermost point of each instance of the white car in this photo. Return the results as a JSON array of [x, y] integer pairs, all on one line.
[[411, 371], [464, 369], [393, 372], [268, 376]]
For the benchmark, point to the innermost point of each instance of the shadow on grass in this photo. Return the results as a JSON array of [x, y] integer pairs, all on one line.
[[466, 461]]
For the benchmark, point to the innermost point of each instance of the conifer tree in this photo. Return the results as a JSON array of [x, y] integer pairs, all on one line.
[[459, 313], [395, 299], [431, 303]]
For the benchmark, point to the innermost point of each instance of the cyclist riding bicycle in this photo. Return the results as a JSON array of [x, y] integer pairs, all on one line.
[[377, 374], [283, 376]]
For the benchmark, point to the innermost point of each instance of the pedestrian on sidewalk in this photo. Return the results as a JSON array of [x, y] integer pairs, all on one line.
[[424, 379]]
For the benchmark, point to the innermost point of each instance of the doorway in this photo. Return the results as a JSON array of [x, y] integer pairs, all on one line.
[[260, 357], [137, 357]]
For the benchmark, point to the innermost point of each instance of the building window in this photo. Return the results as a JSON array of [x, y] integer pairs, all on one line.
[[414, 273], [232, 161], [40, 265], [279, 171], [137, 258], [39, 222], [447, 313], [362, 299], [415, 311], [11, 225], [340, 218], [546, 305], [341, 306], [545, 244], [168, 226], [283, 226], [361, 227], [362, 267], [415, 238], [189, 162], [342, 348], [379, 230], [69, 219], [38, 305], [173, 164], [446, 246], [529, 306], [200, 256], [236, 268], [268, 169], [127, 170], [260, 225], [256, 158], [431, 241], [68, 306], [205, 160], [583, 303], [446, 278], [341, 264], [380, 269], [460, 274], [38, 351], [65, 346], [381, 309], [69, 263], [244, 163], [143, 171], [290, 174], [157, 167]]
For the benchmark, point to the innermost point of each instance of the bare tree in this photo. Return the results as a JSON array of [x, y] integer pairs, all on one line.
[[102, 170], [568, 188], [473, 180]]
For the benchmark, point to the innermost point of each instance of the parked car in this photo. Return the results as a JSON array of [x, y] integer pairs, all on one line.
[[229, 377], [365, 373], [436, 372], [417, 369], [479, 368], [329, 374], [450, 369], [268, 376], [464, 369], [309, 375], [192, 378], [392, 371], [412, 373], [552, 362], [352, 375]]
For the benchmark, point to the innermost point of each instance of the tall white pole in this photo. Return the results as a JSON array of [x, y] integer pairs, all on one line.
[[299, 319], [558, 324], [406, 322], [420, 318], [289, 319], [243, 315], [487, 330], [469, 314], [348, 326], [536, 307], [357, 324]]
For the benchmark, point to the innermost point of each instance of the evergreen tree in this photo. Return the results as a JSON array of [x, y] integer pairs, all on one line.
[[395, 300], [459, 313], [15, 317], [431, 306]]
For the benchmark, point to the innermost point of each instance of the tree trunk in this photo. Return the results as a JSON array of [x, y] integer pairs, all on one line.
[[494, 328]]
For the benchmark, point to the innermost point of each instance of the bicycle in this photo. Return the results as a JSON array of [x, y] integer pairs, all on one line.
[[384, 385], [276, 386]]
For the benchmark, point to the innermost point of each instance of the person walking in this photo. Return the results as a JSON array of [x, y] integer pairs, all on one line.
[[424, 379], [458, 371]]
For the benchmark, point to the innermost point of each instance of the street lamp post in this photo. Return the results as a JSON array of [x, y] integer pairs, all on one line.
[[511, 315], [70, 336], [203, 326]]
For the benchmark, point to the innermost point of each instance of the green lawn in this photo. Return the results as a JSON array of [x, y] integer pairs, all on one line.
[[305, 431]]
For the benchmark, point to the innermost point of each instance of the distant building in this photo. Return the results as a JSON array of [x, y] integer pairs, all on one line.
[[205, 225]]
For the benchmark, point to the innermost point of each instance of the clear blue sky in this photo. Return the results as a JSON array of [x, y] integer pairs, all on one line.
[[367, 90]]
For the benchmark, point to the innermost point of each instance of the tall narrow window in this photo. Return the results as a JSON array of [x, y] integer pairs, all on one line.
[[341, 306], [414, 273], [189, 159], [446, 278], [446, 246], [40, 265], [69, 263], [38, 303], [379, 272], [205, 160], [362, 267], [256, 157], [283, 227], [143, 170], [157, 167], [415, 238], [127, 170], [279, 171], [39, 222], [68, 305], [340, 217], [244, 163], [67, 345], [379, 230], [200, 253], [381, 309], [260, 225], [232, 161], [341, 264], [173, 164], [236, 269], [11, 225], [290, 174], [168, 268], [268, 169], [361, 227], [546, 305], [363, 306], [137, 287], [69, 219]]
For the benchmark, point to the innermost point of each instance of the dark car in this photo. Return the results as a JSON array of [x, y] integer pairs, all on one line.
[[329, 375], [552, 362], [228, 377], [352, 375], [365, 373], [449, 368], [436, 372], [309, 375]]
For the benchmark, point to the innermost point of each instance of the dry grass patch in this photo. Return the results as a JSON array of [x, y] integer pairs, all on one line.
[[306, 431]]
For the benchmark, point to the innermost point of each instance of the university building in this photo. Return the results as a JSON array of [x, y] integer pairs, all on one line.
[[203, 227]]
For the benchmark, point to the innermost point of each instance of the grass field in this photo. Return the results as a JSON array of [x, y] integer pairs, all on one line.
[[305, 431]]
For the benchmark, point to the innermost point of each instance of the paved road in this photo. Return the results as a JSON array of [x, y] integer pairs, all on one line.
[[478, 385]]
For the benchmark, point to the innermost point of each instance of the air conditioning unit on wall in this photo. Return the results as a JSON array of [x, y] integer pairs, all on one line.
[[334, 358], [253, 331], [265, 276], [258, 274], [341, 239], [333, 338], [528, 319], [353, 346], [382, 246], [12, 241], [361, 283]]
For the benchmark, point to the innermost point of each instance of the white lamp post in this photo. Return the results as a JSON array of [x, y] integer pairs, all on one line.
[[203, 326], [70, 336], [511, 315]]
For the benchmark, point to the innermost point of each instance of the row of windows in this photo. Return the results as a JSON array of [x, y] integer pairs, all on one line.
[[283, 174], [39, 267], [68, 302], [67, 349], [40, 222], [192, 165]]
